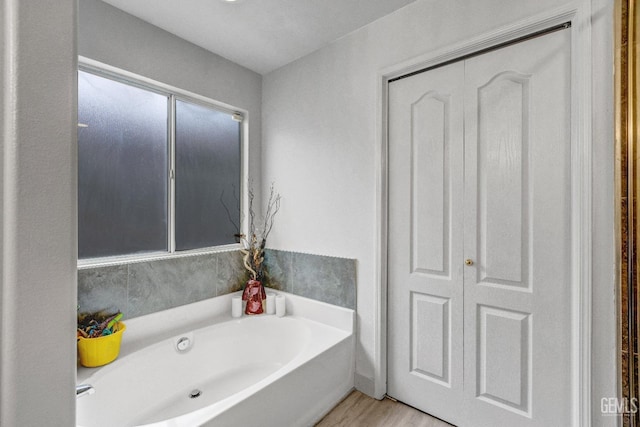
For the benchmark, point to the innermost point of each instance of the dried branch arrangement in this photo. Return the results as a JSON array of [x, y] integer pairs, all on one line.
[[259, 229]]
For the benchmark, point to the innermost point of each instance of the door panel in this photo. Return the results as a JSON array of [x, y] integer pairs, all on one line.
[[517, 229], [430, 321], [504, 376], [425, 302], [502, 110], [479, 170], [430, 185]]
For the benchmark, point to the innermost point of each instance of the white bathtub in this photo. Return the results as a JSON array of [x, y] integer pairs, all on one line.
[[256, 370]]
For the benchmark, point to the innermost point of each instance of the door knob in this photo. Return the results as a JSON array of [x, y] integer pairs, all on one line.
[[469, 262]]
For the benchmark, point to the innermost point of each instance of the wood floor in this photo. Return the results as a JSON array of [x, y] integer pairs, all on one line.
[[358, 409]]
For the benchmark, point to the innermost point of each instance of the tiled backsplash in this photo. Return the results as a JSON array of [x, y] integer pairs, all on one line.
[[145, 287], [323, 278]]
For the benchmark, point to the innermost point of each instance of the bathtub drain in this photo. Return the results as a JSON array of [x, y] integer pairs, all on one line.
[[194, 394]]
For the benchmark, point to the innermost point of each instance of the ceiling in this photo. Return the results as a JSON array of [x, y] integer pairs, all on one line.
[[261, 35]]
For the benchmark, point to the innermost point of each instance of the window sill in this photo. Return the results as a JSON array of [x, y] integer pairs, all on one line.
[[151, 256]]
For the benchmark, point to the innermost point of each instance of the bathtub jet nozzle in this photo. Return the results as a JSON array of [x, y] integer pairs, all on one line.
[[183, 344]]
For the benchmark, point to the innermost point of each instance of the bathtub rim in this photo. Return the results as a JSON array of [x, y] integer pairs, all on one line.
[[150, 329]]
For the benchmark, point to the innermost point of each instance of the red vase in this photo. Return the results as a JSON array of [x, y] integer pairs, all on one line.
[[253, 294]]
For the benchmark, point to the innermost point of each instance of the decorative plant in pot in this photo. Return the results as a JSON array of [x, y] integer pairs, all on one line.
[[252, 250]]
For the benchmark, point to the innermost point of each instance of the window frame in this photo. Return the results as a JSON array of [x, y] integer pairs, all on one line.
[[173, 93]]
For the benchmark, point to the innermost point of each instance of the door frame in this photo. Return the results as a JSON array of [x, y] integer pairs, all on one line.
[[581, 157]]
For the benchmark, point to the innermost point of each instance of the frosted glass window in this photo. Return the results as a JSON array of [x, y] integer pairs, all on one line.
[[207, 185], [130, 201], [122, 168]]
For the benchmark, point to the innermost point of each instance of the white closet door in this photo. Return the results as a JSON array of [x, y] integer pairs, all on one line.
[[480, 255], [425, 241], [517, 232]]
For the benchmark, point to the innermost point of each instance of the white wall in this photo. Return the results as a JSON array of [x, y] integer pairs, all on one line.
[[38, 227], [111, 36], [320, 118]]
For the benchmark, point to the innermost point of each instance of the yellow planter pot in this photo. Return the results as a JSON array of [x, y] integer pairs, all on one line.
[[99, 351]]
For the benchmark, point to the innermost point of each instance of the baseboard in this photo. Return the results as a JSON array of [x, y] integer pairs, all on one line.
[[366, 385]]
